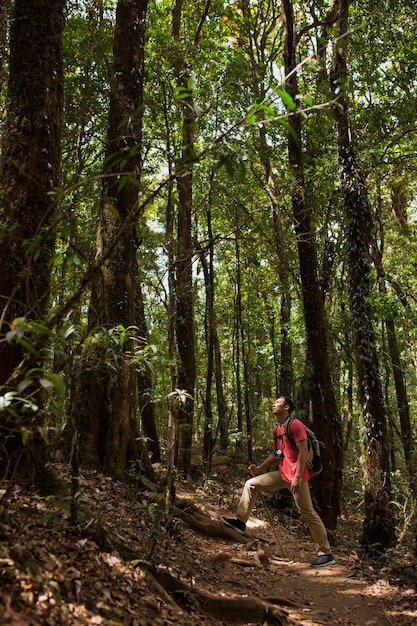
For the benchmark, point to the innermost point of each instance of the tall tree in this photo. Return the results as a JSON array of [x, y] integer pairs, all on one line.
[[30, 166], [325, 412], [105, 400], [263, 48], [186, 371], [400, 384], [29, 172], [378, 525], [209, 332]]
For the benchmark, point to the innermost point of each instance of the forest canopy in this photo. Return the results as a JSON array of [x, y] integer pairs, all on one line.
[[205, 205]]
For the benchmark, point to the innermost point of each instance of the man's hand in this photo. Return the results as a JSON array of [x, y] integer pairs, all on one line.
[[295, 484], [252, 469]]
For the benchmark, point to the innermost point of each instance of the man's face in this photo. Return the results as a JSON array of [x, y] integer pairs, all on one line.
[[279, 408]]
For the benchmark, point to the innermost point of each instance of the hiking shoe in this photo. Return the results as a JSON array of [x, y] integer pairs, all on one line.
[[323, 559], [234, 523]]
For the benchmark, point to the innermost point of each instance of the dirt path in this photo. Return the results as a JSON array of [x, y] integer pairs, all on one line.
[[101, 571], [350, 592], [331, 595]]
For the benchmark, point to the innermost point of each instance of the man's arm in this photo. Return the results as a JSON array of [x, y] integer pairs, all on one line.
[[301, 463], [258, 469]]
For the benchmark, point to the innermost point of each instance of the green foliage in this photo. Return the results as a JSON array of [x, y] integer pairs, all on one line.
[[234, 91]]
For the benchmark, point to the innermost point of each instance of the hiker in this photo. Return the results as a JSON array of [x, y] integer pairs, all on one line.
[[292, 473]]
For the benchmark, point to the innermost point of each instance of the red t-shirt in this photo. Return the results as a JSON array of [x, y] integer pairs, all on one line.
[[288, 464]]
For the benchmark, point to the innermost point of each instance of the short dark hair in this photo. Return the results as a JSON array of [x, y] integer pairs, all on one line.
[[290, 403]]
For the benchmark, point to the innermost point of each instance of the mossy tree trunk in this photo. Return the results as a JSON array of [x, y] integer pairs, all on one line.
[[325, 412], [378, 525]]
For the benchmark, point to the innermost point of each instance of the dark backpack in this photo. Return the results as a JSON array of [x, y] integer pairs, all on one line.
[[314, 462]]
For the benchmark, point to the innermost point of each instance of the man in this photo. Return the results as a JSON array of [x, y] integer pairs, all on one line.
[[292, 474]]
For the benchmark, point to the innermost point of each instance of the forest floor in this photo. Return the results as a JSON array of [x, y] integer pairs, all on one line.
[[124, 564]]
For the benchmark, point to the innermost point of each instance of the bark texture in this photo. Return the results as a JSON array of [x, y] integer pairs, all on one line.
[[378, 526], [184, 309], [105, 395], [29, 172], [324, 408], [30, 166]]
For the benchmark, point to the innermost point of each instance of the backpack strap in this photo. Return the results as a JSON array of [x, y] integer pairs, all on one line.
[[276, 437], [287, 432]]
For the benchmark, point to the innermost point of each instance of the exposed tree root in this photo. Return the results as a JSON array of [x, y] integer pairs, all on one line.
[[234, 609], [205, 525], [257, 558]]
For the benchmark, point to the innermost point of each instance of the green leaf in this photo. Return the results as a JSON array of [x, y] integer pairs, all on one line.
[[28, 345], [59, 383], [149, 484], [287, 100]]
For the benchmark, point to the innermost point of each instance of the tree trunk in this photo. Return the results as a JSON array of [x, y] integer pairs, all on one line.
[[30, 166], [261, 57], [378, 526], [186, 370], [407, 441], [210, 338], [4, 23], [236, 345], [209, 435], [325, 413], [145, 386], [221, 401], [185, 318], [243, 350], [105, 405], [29, 172], [286, 373]]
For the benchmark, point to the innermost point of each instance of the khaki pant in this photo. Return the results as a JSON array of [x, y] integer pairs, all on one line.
[[272, 481]]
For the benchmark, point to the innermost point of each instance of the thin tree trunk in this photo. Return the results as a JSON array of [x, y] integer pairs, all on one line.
[[325, 413], [236, 344], [261, 57], [145, 385], [286, 376], [186, 369], [407, 440], [242, 354], [221, 401], [378, 526], [208, 270], [171, 316], [245, 362], [246, 381], [171, 312]]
